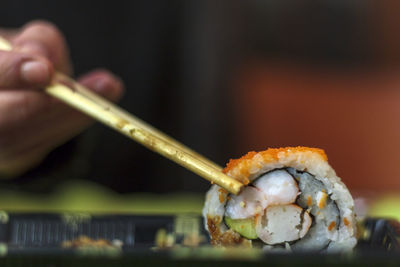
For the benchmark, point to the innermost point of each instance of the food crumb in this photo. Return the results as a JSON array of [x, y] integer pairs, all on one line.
[[222, 194], [309, 200], [331, 226], [84, 241]]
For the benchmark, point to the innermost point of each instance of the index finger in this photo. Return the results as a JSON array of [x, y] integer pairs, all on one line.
[[44, 39]]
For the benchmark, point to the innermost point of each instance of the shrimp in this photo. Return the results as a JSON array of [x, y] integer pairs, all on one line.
[[250, 202], [273, 188], [283, 223], [279, 187]]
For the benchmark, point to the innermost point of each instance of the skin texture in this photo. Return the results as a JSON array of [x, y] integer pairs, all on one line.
[[31, 122]]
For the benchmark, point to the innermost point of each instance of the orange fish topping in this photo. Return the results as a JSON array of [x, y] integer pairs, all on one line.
[[331, 226], [271, 154], [222, 193], [345, 221], [309, 200]]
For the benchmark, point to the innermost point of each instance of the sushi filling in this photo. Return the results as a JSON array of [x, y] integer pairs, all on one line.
[[284, 205]]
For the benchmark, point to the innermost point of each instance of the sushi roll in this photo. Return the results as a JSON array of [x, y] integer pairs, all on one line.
[[293, 200]]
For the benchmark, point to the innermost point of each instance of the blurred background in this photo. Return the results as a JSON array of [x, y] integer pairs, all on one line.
[[228, 77]]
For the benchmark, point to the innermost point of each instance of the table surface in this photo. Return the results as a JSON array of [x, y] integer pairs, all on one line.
[[77, 196], [85, 196]]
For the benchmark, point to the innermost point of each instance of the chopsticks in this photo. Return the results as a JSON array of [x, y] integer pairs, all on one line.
[[72, 93]]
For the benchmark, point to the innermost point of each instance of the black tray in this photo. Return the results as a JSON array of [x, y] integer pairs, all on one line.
[[43, 239]]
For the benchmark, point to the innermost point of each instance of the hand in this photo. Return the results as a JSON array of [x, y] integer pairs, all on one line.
[[31, 122]]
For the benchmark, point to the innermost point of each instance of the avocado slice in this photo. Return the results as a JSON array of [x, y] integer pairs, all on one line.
[[245, 227]]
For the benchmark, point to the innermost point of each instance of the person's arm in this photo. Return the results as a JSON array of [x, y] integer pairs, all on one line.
[[31, 122]]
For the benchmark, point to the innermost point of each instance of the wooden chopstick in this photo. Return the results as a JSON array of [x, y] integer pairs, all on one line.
[[97, 107]]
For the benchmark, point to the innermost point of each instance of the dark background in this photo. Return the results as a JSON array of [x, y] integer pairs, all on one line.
[[179, 61], [167, 53]]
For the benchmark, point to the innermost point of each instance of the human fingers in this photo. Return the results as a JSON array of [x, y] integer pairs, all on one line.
[[103, 83], [45, 39], [19, 70], [48, 123], [21, 106]]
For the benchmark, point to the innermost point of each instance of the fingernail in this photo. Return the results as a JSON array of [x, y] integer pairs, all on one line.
[[35, 72]]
